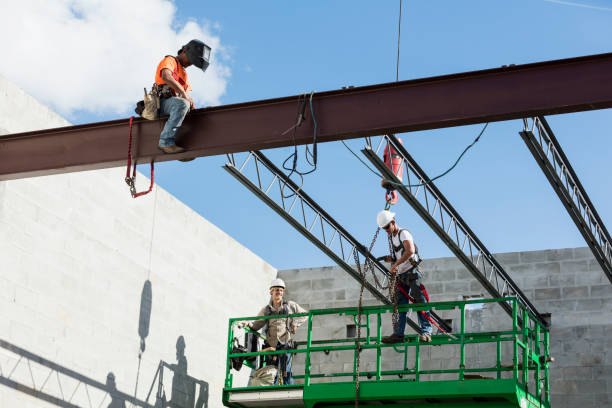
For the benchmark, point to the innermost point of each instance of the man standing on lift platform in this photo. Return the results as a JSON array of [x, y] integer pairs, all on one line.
[[405, 259], [173, 85]]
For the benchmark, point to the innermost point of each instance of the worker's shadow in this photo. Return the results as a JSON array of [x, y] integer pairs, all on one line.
[[184, 386]]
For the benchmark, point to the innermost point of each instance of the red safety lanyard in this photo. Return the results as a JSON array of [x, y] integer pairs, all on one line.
[[131, 181], [411, 299]]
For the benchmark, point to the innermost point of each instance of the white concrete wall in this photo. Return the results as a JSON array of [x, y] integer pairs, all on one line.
[[75, 252]]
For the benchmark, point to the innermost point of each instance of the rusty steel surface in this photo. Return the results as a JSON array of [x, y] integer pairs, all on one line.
[[544, 88]]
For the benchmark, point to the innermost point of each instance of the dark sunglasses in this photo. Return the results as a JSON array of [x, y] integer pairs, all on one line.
[[386, 227]]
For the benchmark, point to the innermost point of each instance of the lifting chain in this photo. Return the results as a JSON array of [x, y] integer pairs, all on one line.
[[368, 264]]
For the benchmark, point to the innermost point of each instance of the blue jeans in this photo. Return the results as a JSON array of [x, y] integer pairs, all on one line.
[[285, 361], [414, 291], [177, 108]]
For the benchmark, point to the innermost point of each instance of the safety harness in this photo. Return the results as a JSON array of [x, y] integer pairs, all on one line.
[[400, 248], [280, 360]]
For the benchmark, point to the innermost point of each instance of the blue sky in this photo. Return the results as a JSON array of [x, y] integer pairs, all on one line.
[[279, 48]]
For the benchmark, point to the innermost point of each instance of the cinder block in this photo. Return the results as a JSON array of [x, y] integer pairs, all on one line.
[[434, 288], [577, 373], [548, 268], [601, 291], [535, 281], [457, 287], [583, 253], [520, 270], [508, 258], [547, 294], [602, 372], [463, 274], [441, 276], [562, 281], [590, 387], [587, 359], [589, 304], [603, 400], [574, 266], [533, 256], [560, 254], [576, 292], [564, 387]]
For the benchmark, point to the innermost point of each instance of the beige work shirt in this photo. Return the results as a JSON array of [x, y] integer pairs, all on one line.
[[277, 328]]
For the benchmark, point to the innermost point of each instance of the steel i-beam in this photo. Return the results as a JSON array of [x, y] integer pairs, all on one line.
[[556, 167], [509, 92], [312, 221], [444, 220]]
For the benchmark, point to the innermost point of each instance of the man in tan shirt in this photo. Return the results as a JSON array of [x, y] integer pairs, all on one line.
[[278, 331]]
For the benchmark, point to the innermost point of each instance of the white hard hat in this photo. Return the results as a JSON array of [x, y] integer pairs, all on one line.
[[384, 218], [277, 283]]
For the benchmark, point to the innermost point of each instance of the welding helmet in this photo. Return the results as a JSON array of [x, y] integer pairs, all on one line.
[[197, 53]]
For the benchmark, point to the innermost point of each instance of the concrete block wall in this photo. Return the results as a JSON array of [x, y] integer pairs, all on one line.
[[568, 283], [75, 253]]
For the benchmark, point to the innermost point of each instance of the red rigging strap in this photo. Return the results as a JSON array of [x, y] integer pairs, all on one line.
[[509, 92], [131, 181], [410, 298]]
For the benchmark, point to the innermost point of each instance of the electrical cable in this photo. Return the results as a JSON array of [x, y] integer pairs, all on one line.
[[399, 34], [311, 156], [430, 180]]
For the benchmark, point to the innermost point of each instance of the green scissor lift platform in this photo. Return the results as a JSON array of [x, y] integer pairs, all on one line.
[[523, 382]]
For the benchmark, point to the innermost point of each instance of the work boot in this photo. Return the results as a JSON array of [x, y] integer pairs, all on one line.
[[172, 149], [425, 337], [392, 339]]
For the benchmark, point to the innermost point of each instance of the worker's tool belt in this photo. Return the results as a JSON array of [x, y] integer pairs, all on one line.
[[290, 345], [164, 91], [149, 107], [409, 276]]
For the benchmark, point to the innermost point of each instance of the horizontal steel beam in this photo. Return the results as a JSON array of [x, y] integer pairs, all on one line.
[[512, 92]]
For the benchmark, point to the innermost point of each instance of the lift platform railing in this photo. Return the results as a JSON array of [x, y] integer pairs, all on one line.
[[556, 167], [444, 220], [529, 349]]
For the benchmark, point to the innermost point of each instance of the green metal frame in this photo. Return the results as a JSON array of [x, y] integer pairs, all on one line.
[[530, 345]]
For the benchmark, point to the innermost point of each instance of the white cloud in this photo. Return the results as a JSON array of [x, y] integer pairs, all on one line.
[[98, 55]]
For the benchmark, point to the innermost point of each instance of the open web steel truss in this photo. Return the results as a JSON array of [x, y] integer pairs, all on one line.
[[558, 170], [43, 379], [273, 187], [444, 220]]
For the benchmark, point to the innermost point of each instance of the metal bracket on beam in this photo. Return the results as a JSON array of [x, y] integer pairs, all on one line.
[[444, 220], [556, 167], [289, 201]]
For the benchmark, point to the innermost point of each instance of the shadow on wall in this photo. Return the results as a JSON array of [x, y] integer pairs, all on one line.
[[184, 387], [74, 390]]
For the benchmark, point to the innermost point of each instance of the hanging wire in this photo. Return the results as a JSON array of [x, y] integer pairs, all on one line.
[[140, 351], [399, 34], [311, 155], [430, 180]]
